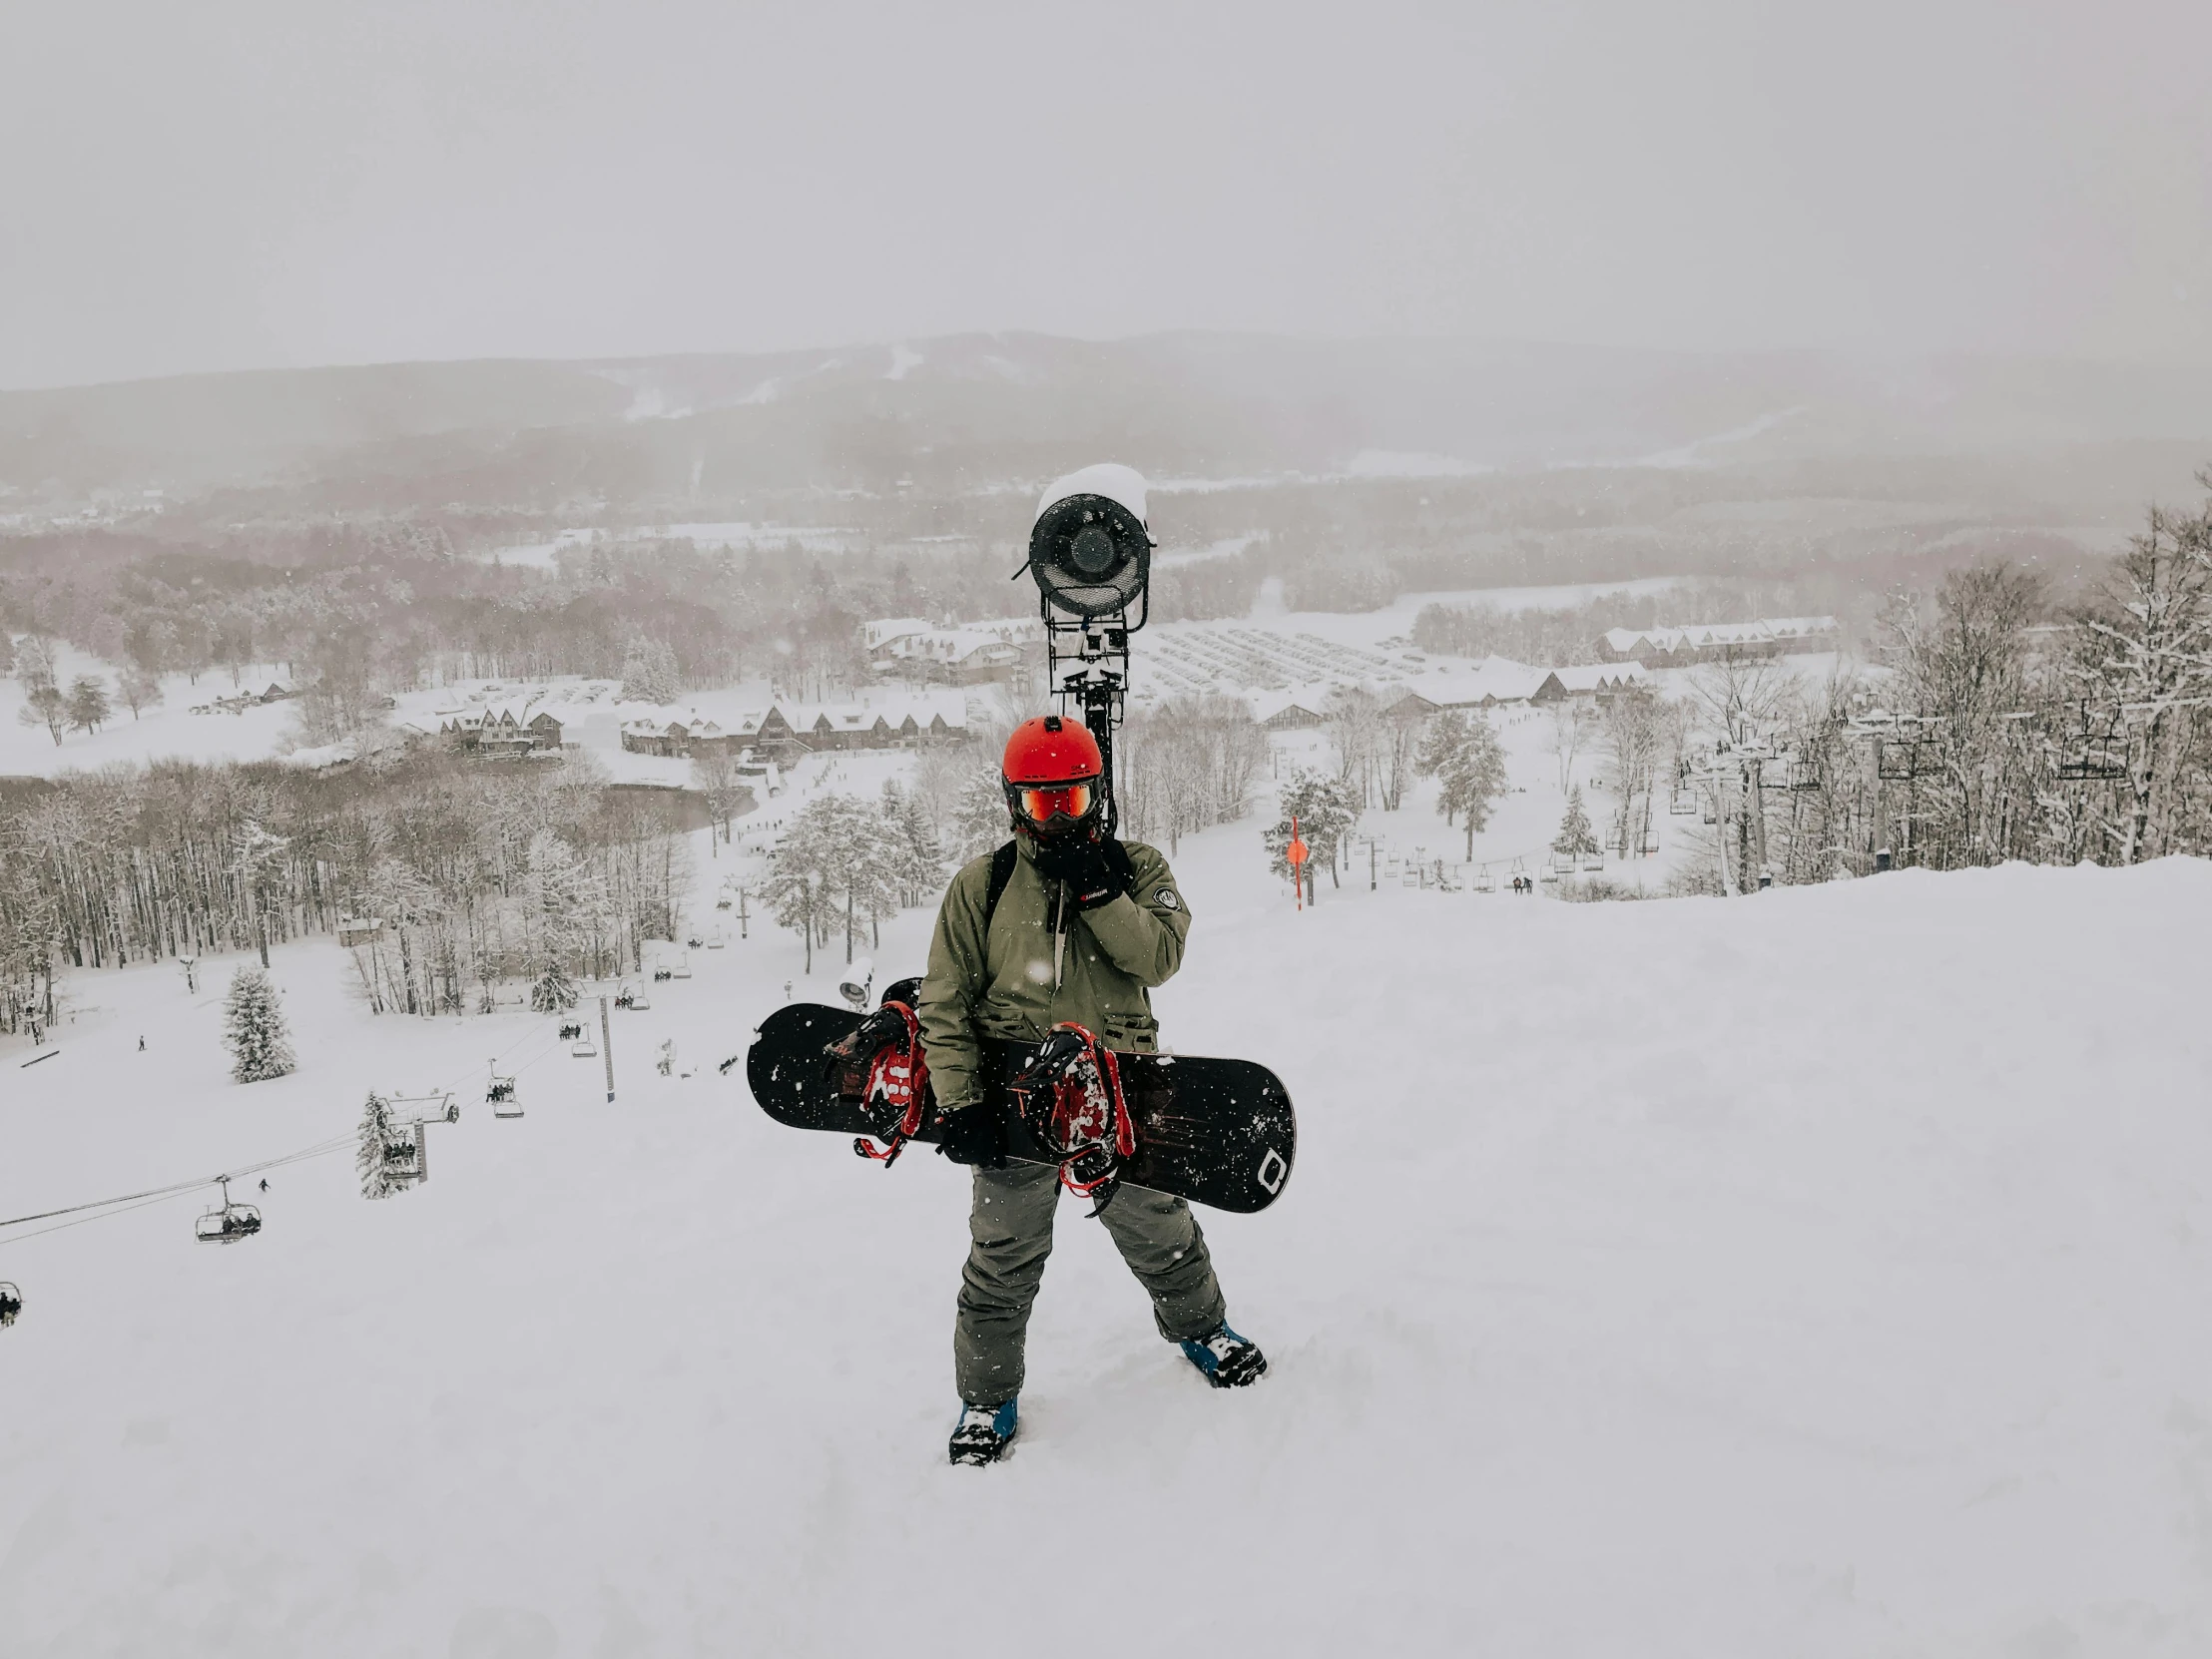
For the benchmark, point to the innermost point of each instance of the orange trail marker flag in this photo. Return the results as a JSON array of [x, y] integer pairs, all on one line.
[[1297, 852]]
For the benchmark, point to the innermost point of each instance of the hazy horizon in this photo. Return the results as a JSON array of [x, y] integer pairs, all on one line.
[[1868, 354], [253, 185]]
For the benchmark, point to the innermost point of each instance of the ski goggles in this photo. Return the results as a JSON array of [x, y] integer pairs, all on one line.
[[1040, 804]]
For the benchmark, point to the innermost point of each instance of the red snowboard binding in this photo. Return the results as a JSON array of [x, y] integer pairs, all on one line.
[[884, 1064], [1069, 1097]]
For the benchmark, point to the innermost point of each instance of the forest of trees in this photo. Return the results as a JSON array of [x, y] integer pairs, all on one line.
[[1992, 726], [349, 613], [470, 876]]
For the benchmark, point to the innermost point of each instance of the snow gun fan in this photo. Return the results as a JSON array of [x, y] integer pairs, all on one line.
[[1090, 551], [1089, 548]]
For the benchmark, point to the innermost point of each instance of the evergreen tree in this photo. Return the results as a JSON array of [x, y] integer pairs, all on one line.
[[1575, 836], [372, 1158], [254, 1029], [89, 708], [916, 858], [979, 818], [1465, 756], [553, 993], [1327, 809]]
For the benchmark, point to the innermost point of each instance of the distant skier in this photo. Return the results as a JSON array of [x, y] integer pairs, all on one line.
[[1082, 925], [142, 1045], [265, 1183]]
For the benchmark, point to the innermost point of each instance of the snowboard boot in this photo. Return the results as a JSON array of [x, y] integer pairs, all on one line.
[[1228, 1359], [983, 1433]]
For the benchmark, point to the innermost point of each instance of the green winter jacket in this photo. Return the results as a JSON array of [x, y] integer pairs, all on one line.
[[1045, 963]]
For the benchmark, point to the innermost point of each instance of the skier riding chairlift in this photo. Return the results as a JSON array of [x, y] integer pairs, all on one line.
[[11, 1304], [227, 1223]]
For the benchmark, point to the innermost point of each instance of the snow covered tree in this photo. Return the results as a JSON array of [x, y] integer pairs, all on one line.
[[1575, 836], [372, 1154], [920, 866], [1327, 809], [44, 705], [648, 672], [254, 1029], [2145, 655], [1465, 756], [553, 993], [34, 661], [139, 689], [801, 886], [89, 708], [979, 819]]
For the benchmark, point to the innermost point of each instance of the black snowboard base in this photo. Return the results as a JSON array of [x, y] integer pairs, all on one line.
[[1217, 1132]]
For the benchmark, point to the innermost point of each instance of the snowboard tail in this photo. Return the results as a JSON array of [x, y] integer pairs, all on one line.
[[1217, 1132]]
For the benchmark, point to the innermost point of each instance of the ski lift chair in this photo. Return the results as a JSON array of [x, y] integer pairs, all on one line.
[[406, 1162], [681, 967], [11, 1304], [569, 1033], [1594, 859], [583, 1048], [639, 1001], [721, 905], [501, 1097], [714, 940], [2102, 755], [420, 1108], [1483, 880], [227, 1223], [1562, 864], [1682, 801]]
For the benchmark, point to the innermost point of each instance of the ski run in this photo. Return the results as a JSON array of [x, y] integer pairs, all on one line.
[[1819, 1274]]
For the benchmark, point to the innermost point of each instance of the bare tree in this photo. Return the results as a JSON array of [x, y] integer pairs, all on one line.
[[1570, 723]]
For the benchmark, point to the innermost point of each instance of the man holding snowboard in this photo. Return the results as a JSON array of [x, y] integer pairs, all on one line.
[[1075, 926]]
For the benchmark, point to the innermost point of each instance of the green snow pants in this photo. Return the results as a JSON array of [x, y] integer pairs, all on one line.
[[1011, 1226]]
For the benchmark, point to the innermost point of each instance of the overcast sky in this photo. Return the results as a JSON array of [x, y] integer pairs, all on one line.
[[245, 183]]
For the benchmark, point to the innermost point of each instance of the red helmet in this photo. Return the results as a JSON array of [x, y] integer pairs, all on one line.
[[1053, 774]]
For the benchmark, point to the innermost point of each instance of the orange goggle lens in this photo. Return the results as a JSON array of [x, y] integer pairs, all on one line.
[[1067, 800]]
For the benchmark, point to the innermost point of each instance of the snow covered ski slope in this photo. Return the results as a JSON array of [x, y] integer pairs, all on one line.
[[1817, 1275]]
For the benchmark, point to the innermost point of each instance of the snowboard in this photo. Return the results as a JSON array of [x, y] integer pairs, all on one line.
[[1217, 1132]]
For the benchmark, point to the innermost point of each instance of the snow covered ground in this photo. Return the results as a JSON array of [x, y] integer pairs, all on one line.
[[1819, 1274]]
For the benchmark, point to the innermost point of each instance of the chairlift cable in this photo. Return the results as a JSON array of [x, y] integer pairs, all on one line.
[[316, 1148]]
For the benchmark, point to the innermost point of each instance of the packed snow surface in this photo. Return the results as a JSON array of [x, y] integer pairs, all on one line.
[[1821, 1274]]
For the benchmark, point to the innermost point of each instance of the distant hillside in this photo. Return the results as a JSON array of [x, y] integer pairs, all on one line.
[[968, 411]]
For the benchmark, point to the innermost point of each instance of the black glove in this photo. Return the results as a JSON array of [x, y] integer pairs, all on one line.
[[974, 1135], [1095, 867]]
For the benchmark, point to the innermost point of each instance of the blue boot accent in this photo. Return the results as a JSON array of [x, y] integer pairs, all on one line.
[[983, 1432]]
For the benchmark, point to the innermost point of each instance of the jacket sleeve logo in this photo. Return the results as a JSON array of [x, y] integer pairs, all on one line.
[[1166, 899]]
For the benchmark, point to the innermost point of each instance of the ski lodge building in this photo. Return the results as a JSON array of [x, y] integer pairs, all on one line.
[[771, 733], [1489, 683], [1707, 642], [966, 654], [500, 732]]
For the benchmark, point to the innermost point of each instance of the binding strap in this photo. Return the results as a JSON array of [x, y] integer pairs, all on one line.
[[898, 1077], [1071, 1099]]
